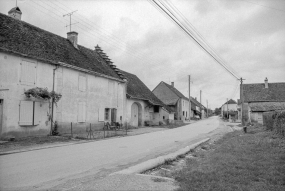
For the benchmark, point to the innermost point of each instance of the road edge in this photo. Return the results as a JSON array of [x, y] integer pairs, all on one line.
[[152, 163]]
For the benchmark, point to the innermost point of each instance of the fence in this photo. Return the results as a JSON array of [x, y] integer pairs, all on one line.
[[275, 120], [89, 130]]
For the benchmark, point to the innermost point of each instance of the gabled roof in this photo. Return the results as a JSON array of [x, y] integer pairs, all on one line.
[[231, 101], [267, 106], [178, 93], [258, 93], [21, 38], [138, 90]]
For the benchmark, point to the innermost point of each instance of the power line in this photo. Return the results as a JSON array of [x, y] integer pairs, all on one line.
[[171, 15], [263, 6]]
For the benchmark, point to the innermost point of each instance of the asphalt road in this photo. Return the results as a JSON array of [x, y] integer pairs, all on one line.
[[48, 167]]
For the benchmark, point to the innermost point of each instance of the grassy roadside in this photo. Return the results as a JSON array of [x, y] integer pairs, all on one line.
[[238, 161]]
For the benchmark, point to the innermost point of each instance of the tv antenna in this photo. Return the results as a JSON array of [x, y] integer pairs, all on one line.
[[69, 14]]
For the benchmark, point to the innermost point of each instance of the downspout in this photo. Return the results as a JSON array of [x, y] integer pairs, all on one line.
[[52, 102]]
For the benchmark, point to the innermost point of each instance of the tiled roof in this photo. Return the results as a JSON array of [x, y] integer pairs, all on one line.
[[267, 106], [178, 93], [25, 39], [258, 92], [231, 101], [137, 89], [194, 102]]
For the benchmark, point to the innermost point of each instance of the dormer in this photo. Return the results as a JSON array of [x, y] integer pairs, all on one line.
[[15, 13]]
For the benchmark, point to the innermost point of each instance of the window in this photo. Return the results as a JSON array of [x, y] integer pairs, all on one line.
[[111, 87], [156, 109], [81, 112], [82, 83], [107, 111], [183, 113], [29, 113], [28, 73]]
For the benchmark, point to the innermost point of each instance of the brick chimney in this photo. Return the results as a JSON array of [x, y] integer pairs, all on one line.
[[172, 84], [15, 13], [73, 37], [266, 82]]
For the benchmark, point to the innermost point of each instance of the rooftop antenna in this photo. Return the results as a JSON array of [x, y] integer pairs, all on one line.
[[69, 14]]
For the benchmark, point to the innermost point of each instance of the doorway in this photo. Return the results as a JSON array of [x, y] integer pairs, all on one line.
[[1, 114]]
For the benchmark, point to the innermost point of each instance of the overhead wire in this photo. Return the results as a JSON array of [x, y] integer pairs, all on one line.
[[188, 23], [185, 29]]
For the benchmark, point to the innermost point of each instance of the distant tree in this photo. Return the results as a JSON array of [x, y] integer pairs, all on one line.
[[217, 111]]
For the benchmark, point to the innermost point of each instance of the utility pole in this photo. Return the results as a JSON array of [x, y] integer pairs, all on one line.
[[242, 100], [228, 108], [201, 103], [189, 100], [207, 110], [69, 14]]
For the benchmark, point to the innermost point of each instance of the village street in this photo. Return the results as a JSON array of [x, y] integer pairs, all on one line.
[[49, 167]]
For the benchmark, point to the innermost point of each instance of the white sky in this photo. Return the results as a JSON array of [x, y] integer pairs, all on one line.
[[248, 34]]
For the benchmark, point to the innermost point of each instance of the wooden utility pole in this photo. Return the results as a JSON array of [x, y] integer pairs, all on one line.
[[242, 100], [228, 108], [201, 103], [207, 110], [189, 100]]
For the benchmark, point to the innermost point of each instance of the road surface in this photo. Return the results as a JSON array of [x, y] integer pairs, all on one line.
[[49, 167]]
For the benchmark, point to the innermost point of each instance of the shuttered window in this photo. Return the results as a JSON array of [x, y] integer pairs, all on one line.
[[30, 113], [26, 113], [28, 73], [81, 112], [101, 114], [82, 83]]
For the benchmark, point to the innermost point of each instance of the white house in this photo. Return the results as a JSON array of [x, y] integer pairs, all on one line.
[[142, 106], [230, 109], [92, 89]]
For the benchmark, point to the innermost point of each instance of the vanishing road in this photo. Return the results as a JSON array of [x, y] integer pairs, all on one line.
[[42, 169]]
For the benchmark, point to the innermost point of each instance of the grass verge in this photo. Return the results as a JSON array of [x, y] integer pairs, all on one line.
[[253, 161]]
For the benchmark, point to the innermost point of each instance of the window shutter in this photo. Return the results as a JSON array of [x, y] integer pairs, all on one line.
[[28, 73], [101, 112], [26, 113], [82, 83], [37, 113]]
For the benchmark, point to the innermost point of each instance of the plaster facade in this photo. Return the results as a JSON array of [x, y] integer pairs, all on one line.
[[85, 97]]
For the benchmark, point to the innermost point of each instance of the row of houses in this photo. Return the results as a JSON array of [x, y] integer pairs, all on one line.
[[257, 99], [93, 90]]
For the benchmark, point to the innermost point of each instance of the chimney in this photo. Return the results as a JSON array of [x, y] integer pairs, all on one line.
[[266, 82], [15, 13], [72, 37], [172, 84]]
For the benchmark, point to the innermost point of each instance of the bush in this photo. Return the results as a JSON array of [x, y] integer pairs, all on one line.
[[268, 119], [279, 122]]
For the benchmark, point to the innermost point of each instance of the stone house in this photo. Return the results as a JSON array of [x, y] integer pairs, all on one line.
[[142, 106], [177, 102], [262, 97], [92, 89], [230, 109]]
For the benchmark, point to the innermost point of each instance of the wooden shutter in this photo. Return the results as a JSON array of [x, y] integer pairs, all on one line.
[[37, 113], [101, 115], [28, 73], [82, 83], [26, 113]]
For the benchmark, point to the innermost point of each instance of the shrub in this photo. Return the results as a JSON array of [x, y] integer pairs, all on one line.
[[279, 122]]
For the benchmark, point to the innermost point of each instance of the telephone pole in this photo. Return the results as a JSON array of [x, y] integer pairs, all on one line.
[[201, 103], [189, 81], [228, 108], [242, 100], [69, 14], [207, 110]]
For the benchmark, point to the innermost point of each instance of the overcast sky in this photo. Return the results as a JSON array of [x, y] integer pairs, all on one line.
[[248, 34]]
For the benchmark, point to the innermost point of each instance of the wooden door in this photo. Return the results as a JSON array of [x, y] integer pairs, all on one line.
[[134, 114], [113, 115]]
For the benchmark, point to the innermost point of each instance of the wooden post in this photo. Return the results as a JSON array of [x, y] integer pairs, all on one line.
[[189, 100], [71, 129]]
